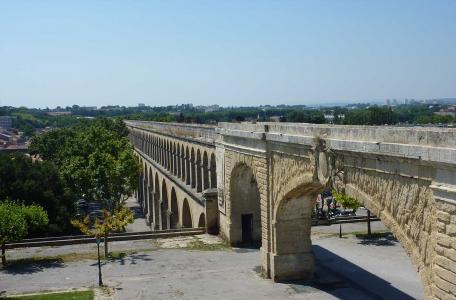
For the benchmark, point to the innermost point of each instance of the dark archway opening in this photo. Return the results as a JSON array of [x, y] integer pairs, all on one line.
[[245, 208], [164, 206], [202, 221], [186, 215], [174, 210]]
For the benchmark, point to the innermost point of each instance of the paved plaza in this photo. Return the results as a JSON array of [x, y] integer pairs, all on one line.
[[347, 268]]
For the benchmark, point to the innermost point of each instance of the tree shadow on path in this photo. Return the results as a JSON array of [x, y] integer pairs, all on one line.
[[32, 265], [124, 258]]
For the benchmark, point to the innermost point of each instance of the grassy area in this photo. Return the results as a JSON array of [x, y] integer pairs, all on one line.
[[201, 246], [77, 295]]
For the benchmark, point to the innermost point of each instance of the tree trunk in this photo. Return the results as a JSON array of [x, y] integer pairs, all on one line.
[[3, 254], [106, 245]]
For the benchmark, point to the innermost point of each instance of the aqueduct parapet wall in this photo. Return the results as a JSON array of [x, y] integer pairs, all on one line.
[[406, 176]]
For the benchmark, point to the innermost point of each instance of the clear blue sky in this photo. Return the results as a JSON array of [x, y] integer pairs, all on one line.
[[224, 52]]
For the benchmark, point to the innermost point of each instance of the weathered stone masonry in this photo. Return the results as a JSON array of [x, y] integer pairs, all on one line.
[[406, 176]]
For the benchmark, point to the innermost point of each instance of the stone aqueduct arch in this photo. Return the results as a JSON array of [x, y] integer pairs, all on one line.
[[164, 186], [406, 176]]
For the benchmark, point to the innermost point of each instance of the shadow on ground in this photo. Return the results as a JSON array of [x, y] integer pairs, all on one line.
[[126, 258], [32, 265], [377, 239], [345, 280]]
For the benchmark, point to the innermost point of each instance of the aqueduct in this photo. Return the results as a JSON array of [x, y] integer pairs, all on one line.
[[267, 177]]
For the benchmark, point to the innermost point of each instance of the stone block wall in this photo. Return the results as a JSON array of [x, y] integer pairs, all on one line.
[[444, 264]]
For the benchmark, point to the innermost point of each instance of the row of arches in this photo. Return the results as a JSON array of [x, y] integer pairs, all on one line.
[[164, 204], [193, 165]]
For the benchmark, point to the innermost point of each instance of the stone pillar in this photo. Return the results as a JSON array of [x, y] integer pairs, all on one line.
[[212, 212], [291, 257]]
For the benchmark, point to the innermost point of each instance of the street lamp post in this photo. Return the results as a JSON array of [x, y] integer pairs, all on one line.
[[100, 282], [368, 224]]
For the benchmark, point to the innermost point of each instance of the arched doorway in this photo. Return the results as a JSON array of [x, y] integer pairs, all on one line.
[[202, 221], [245, 207], [164, 205], [174, 210], [186, 215]]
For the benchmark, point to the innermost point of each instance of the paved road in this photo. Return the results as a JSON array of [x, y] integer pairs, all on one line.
[[347, 268]]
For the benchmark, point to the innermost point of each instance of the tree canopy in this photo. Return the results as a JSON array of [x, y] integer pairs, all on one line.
[[17, 220], [36, 182], [95, 159]]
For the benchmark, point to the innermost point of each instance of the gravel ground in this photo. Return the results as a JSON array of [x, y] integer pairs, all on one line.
[[347, 268]]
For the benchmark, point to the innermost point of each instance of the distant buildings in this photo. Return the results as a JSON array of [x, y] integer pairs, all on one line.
[[12, 140], [6, 122], [59, 113]]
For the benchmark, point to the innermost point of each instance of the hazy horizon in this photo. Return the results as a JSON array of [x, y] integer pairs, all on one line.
[[55, 53]]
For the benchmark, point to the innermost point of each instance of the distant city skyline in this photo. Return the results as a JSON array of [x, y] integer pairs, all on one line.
[[236, 53]]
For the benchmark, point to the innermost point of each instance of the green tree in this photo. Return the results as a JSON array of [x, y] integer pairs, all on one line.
[[29, 181], [111, 222], [96, 161], [16, 220], [346, 201]]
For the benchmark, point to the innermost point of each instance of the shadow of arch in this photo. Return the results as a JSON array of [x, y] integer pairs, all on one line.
[[186, 215]]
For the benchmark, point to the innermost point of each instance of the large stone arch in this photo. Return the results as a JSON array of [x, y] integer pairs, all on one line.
[[186, 215], [404, 204], [245, 206], [174, 218]]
